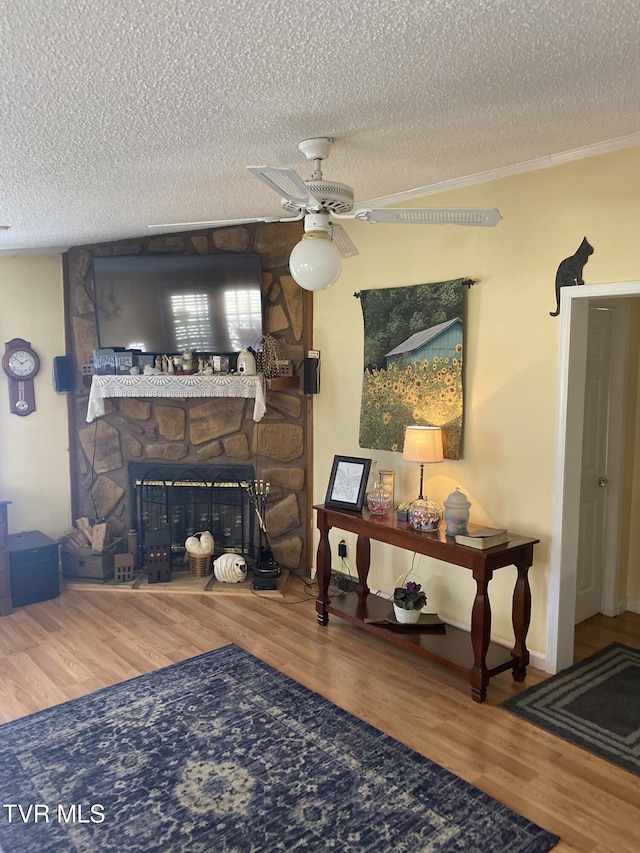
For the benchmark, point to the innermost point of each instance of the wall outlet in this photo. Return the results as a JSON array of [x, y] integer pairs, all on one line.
[[342, 548]]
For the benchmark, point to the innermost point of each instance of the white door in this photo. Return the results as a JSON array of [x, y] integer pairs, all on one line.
[[593, 487]]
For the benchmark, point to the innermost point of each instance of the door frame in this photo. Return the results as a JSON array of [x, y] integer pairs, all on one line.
[[574, 320]]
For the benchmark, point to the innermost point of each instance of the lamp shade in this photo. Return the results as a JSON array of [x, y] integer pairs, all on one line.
[[422, 444], [315, 264]]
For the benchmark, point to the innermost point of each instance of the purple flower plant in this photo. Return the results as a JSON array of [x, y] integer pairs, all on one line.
[[410, 596]]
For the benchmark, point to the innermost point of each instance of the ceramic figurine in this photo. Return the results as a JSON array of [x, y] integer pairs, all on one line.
[[230, 568], [570, 271], [246, 362], [456, 513]]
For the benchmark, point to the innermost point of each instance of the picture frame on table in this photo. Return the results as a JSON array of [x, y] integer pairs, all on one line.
[[347, 483]]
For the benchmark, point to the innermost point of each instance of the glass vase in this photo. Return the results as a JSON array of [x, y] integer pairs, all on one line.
[[379, 500], [387, 481]]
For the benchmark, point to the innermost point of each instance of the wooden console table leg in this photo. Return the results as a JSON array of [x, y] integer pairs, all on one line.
[[323, 568], [480, 636], [521, 617], [363, 561]]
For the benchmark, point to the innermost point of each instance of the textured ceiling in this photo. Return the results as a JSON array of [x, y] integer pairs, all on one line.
[[132, 112]]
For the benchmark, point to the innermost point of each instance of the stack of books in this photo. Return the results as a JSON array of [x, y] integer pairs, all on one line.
[[483, 537]]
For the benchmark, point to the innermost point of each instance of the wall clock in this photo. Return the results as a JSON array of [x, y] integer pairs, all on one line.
[[21, 363]]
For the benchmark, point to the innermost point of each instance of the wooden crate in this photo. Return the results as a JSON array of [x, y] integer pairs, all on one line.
[[87, 564]]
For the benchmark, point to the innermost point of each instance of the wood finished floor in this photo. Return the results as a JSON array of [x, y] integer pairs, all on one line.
[[91, 638]]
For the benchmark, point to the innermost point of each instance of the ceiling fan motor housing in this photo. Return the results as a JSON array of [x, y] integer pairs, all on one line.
[[333, 197]]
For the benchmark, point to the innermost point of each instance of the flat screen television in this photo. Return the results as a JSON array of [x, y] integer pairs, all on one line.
[[172, 303]]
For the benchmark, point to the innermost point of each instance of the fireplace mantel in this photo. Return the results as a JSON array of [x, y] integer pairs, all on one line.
[[166, 385]]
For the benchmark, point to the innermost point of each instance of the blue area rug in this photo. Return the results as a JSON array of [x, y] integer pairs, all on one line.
[[224, 753], [594, 704]]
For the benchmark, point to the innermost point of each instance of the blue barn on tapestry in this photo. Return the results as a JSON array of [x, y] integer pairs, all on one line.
[[443, 340], [413, 357]]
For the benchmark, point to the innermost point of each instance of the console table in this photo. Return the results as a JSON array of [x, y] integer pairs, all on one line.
[[171, 385], [473, 655]]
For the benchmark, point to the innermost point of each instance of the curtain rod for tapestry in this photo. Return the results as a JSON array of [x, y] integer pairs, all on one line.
[[465, 282]]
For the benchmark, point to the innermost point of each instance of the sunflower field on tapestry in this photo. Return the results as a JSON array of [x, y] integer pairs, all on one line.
[[413, 356]]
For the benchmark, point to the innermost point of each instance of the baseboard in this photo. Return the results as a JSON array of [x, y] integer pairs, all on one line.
[[632, 606], [339, 580], [345, 583]]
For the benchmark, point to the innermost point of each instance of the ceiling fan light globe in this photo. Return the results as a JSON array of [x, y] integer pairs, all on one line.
[[315, 264]]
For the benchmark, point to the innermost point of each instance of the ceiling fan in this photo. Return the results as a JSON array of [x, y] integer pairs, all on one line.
[[316, 261]]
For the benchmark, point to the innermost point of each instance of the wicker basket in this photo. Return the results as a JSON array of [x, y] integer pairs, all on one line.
[[200, 565], [406, 617]]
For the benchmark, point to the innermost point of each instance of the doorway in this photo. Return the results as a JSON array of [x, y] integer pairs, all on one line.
[[600, 413], [574, 326]]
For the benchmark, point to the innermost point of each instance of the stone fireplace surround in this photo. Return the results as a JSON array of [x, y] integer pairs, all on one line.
[[186, 500], [197, 432]]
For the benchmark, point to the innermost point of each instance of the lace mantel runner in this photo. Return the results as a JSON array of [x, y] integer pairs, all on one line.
[[165, 385]]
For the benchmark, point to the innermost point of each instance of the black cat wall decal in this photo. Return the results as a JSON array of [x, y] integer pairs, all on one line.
[[570, 271]]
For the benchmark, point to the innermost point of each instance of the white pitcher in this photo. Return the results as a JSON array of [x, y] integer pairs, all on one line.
[[246, 363]]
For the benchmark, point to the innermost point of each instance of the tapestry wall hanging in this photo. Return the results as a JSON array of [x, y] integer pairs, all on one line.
[[413, 339]]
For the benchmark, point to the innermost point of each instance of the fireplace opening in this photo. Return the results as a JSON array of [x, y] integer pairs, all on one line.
[[182, 501]]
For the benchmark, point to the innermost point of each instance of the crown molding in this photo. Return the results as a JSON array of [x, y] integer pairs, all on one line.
[[505, 171]]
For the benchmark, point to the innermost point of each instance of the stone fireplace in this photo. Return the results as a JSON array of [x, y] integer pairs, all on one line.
[[185, 500], [192, 433]]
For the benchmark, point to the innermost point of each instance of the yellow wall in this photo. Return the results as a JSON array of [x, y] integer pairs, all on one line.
[[34, 462], [511, 355]]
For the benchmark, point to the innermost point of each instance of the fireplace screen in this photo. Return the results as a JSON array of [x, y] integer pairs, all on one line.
[[184, 501]]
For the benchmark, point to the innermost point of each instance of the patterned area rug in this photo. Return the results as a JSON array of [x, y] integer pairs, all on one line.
[[594, 704], [224, 753]]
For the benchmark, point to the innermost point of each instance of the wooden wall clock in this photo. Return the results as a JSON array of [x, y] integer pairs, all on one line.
[[21, 363]]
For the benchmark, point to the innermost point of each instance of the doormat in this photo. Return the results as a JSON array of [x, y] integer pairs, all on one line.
[[594, 704], [224, 753]]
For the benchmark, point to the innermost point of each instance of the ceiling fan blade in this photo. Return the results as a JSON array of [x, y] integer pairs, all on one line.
[[485, 216], [343, 242], [220, 223], [287, 184]]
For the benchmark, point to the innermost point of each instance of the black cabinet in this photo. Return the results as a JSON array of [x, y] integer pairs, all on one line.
[[33, 566]]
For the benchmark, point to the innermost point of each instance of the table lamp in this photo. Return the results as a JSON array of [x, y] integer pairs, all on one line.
[[423, 444]]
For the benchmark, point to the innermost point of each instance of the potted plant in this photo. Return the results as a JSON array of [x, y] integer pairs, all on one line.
[[408, 601], [402, 512]]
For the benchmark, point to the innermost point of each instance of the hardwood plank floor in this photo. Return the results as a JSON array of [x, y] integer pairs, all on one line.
[[91, 638]]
